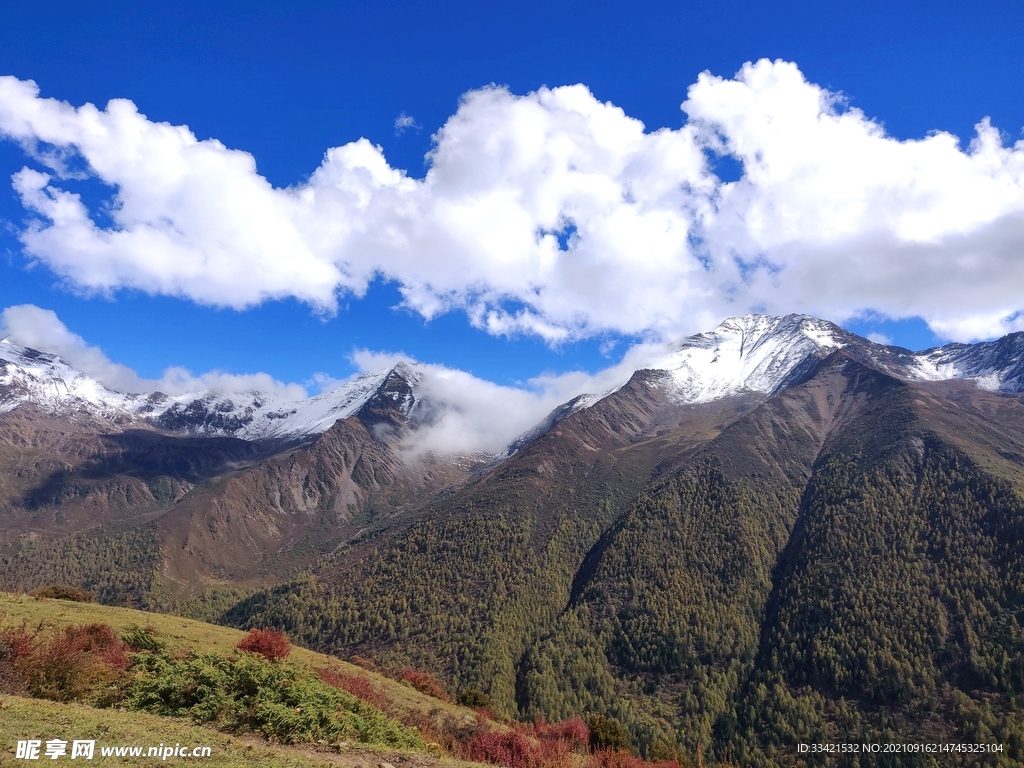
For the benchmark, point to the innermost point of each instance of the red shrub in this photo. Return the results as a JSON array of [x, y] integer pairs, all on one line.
[[616, 758], [575, 732], [359, 686], [18, 642], [97, 640], [271, 644], [484, 714], [424, 683], [75, 663], [508, 748], [552, 753]]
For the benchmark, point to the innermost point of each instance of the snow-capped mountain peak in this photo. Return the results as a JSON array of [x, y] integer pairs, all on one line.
[[753, 353], [749, 355], [47, 382]]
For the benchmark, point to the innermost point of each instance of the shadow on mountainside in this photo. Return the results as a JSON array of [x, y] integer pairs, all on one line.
[[167, 465]]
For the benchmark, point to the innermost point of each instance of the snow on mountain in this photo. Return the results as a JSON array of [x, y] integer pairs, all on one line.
[[754, 353], [49, 383], [997, 366], [261, 416], [46, 381], [761, 354]]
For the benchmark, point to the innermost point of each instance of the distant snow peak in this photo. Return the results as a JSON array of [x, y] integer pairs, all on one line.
[[395, 398], [755, 353], [996, 366], [28, 376]]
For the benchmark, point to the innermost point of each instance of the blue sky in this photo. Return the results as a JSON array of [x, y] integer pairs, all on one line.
[[285, 82]]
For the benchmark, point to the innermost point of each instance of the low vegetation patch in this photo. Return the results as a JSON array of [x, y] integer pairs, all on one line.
[[64, 592], [255, 690], [248, 693], [359, 686], [425, 683], [551, 746]]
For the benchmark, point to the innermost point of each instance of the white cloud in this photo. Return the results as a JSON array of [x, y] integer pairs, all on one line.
[[41, 329], [879, 338], [462, 414], [404, 122], [854, 220], [831, 216]]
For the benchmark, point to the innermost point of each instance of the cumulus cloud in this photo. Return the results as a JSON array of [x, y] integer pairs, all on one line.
[[42, 330], [552, 213], [834, 217]]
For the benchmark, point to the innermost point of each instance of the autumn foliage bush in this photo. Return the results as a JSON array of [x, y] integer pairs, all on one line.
[[358, 685], [509, 748], [574, 732], [424, 683], [76, 662], [271, 644], [546, 745], [16, 643]]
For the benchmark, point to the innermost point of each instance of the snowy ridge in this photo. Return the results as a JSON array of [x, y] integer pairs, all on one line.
[[754, 353], [996, 366], [261, 416], [46, 381], [27, 376], [762, 354]]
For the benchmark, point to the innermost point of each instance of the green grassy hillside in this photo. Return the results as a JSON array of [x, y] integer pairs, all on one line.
[[183, 639]]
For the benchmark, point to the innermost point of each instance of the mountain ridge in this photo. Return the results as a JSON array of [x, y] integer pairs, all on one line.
[[746, 354]]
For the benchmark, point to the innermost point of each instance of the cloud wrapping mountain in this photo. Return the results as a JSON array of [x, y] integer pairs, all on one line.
[[458, 413], [551, 213]]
